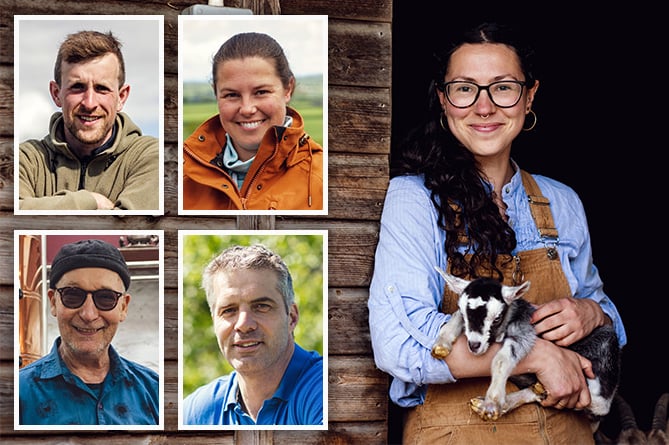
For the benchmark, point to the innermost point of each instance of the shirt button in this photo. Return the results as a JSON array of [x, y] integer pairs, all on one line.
[[507, 190], [391, 288], [100, 406]]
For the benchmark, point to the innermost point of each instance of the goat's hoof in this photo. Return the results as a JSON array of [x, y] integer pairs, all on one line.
[[485, 410], [440, 352], [539, 390]]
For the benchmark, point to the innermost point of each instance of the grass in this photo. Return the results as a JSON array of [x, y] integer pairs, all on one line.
[[199, 105], [195, 114]]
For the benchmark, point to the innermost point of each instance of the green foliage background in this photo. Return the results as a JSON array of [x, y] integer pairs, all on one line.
[[302, 253]]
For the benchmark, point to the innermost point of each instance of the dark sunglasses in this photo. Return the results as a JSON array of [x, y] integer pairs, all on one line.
[[104, 299]]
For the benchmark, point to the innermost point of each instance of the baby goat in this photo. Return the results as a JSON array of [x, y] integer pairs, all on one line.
[[491, 312]]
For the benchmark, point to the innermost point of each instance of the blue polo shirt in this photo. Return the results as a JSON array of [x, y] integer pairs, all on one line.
[[49, 394], [297, 401]]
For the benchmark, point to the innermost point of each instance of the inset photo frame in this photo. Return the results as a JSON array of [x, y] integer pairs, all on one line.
[[88, 330], [253, 330], [253, 114], [88, 126]]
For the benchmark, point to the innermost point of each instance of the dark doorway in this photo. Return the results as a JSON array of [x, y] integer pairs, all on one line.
[[596, 132]]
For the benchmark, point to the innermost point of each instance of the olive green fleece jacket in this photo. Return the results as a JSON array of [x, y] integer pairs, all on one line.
[[127, 172]]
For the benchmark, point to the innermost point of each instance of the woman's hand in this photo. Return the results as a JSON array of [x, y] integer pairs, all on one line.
[[567, 320], [562, 372]]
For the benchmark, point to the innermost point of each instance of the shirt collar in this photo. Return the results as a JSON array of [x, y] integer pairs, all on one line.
[[54, 365], [288, 382]]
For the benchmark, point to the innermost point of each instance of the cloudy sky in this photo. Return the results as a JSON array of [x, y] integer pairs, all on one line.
[[303, 38], [37, 39]]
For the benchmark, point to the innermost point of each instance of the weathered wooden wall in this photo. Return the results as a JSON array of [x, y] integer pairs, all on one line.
[[359, 145]]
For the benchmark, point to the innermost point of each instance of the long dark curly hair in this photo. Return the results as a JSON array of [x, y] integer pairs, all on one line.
[[452, 174]]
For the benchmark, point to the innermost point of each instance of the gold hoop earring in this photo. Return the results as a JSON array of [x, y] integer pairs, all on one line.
[[534, 124], [441, 122]]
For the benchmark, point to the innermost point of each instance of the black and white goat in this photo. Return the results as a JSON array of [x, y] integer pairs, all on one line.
[[490, 312]]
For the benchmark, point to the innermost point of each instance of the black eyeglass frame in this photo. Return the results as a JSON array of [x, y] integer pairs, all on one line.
[[93, 293], [443, 86]]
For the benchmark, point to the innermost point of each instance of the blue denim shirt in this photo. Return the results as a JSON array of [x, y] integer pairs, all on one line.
[[50, 394], [297, 401], [406, 291]]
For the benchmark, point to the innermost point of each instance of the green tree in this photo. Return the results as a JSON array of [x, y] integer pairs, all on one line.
[[302, 253]]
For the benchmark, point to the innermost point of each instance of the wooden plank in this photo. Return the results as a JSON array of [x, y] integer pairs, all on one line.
[[357, 392], [348, 325], [339, 433], [378, 11], [348, 328], [355, 49], [6, 177], [6, 322], [367, 433], [84, 438], [6, 395], [351, 254], [359, 122], [6, 101], [359, 54], [352, 244], [359, 119], [104, 7], [171, 114], [357, 186]]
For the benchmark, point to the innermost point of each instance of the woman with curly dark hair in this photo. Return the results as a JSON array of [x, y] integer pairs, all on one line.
[[458, 201]]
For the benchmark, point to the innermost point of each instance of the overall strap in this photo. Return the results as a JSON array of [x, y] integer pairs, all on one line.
[[540, 207]]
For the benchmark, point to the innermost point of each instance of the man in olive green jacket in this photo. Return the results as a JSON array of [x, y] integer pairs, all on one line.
[[94, 156]]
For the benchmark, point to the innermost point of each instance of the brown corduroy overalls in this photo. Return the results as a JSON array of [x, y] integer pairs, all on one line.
[[445, 416]]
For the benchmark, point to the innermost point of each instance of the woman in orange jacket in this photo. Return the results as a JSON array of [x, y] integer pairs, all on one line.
[[255, 154]]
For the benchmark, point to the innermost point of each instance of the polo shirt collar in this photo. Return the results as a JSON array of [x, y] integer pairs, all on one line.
[[288, 382]]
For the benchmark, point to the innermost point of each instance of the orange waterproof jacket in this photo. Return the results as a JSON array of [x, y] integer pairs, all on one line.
[[286, 174]]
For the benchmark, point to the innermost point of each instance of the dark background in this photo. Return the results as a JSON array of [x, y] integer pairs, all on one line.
[[601, 129]]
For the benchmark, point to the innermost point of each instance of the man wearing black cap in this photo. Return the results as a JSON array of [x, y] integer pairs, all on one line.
[[83, 380]]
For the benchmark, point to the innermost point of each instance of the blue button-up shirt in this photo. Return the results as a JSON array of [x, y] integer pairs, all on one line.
[[406, 292], [50, 394], [297, 401]]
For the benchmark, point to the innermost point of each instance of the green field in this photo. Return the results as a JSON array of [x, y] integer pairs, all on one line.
[[196, 113], [199, 105]]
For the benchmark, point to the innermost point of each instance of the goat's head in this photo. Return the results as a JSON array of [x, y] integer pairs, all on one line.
[[483, 303]]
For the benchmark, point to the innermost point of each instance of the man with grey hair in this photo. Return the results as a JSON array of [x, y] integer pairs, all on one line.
[[275, 381]]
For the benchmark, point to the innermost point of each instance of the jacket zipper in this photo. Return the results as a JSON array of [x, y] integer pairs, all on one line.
[[245, 198], [82, 174], [208, 164]]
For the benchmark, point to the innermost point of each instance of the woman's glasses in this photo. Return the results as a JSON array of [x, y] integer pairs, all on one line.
[[104, 299], [504, 94]]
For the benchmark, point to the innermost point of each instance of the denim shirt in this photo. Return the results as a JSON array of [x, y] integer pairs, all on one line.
[[406, 292], [50, 394], [297, 401]]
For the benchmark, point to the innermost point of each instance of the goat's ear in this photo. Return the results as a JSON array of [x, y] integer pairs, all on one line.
[[510, 293], [456, 284]]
